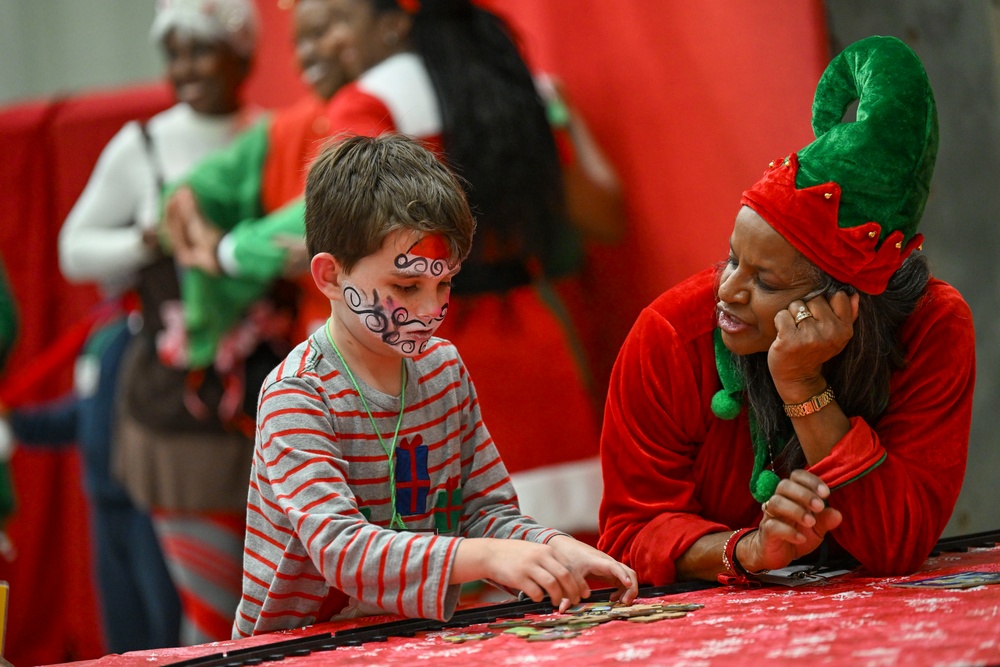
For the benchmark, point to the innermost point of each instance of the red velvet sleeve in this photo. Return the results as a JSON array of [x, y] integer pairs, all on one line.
[[897, 484], [652, 427]]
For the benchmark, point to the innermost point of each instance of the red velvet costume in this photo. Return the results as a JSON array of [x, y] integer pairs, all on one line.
[[674, 472]]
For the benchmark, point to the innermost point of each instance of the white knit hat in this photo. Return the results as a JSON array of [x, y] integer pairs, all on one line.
[[233, 21]]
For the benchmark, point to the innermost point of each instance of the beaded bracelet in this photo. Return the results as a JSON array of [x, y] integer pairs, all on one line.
[[735, 575]]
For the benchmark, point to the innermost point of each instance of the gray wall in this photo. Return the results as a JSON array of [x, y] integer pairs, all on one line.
[[958, 43], [60, 46]]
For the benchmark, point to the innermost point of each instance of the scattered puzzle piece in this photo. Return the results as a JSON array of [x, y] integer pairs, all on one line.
[[682, 607], [522, 631], [463, 637], [658, 616], [576, 619], [552, 635], [500, 625]]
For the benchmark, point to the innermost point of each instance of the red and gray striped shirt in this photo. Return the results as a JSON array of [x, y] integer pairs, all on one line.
[[318, 544]]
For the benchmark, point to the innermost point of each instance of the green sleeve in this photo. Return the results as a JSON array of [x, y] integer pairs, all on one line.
[[214, 304], [227, 184], [258, 244], [8, 317]]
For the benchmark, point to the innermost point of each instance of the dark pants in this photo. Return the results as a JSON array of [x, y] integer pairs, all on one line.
[[139, 603]]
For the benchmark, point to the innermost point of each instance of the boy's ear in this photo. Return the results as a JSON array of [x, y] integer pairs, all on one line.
[[327, 272]]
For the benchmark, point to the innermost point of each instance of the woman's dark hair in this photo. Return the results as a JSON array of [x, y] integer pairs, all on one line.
[[859, 375], [496, 134]]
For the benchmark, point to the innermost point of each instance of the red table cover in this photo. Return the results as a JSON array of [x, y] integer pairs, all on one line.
[[849, 620]]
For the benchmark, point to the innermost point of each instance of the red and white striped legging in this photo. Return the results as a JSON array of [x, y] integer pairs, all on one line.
[[204, 553]]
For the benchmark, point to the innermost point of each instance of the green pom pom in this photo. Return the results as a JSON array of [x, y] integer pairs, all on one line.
[[725, 406], [767, 484]]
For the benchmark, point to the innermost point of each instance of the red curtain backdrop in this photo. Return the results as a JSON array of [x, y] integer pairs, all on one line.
[[689, 100]]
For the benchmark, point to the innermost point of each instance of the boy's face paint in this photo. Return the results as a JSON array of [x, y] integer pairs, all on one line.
[[399, 294]]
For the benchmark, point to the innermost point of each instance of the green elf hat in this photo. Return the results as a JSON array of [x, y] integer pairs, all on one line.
[[852, 199]]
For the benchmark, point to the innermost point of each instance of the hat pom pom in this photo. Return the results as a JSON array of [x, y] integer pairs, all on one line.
[[724, 406], [766, 485]]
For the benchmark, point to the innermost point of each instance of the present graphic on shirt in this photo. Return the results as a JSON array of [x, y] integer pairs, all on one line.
[[412, 479], [448, 508]]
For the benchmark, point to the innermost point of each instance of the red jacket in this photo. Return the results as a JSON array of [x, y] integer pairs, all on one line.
[[674, 472]]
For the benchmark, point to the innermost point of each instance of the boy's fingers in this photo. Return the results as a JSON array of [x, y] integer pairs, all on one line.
[[532, 590], [546, 580], [567, 580], [624, 576], [630, 583]]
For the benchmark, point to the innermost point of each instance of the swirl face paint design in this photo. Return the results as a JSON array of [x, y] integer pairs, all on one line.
[[411, 306]]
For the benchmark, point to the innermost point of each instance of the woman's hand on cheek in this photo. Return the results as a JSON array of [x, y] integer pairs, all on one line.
[[800, 349]]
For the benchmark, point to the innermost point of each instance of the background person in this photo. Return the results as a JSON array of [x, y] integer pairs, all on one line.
[[256, 185], [109, 237], [823, 353], [449, 74]]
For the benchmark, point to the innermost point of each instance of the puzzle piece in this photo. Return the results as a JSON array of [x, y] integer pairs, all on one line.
[[554, 634], [658, 616], [578, 618], [522, 631], [500, 625], [463, 637]]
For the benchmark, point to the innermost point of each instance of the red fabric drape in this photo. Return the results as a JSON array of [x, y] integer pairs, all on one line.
[[690, 101], [50, 149]]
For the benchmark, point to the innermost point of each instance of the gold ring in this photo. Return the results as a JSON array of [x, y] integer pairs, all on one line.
[[803, 314], [763, 508]]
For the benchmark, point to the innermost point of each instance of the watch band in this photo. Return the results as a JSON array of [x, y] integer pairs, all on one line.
[[814, 404]]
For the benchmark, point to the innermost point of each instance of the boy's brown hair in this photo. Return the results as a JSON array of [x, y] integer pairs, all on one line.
[[360, 189]]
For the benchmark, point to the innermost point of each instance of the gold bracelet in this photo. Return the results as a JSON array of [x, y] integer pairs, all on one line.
[[814, 404]]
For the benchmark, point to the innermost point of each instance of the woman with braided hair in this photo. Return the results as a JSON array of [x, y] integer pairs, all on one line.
[[822, 363], [449, 74]]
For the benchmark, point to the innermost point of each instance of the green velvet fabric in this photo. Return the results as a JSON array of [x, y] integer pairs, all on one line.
[[884, 160], [227, 185]]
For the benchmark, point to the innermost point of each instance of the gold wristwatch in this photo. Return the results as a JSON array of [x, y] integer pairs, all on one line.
[[814, 404]]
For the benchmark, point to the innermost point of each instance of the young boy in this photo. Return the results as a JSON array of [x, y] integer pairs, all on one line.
[[376, 487]]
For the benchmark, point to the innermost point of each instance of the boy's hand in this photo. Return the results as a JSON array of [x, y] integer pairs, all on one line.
[[588, 561], [558, 568], [536, 569]]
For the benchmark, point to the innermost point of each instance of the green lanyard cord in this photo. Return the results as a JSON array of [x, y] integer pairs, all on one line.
[[396, 521]]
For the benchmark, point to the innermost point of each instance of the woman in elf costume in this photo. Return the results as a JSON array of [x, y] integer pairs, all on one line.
[[817, 388]]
